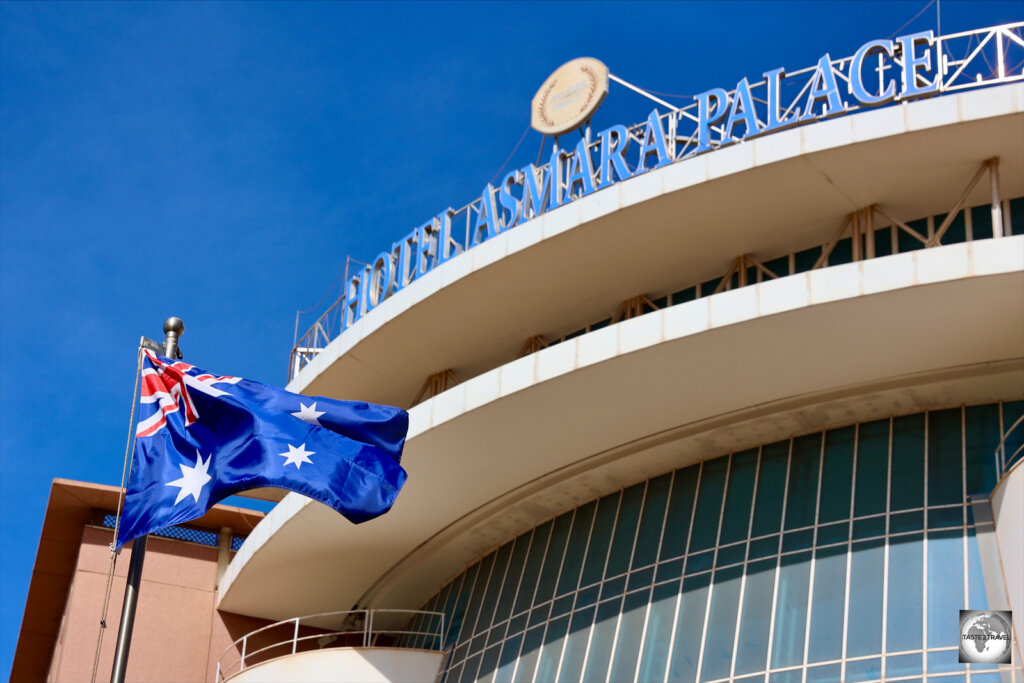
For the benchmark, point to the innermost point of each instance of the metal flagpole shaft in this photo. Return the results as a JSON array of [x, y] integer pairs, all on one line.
[[173, 329]]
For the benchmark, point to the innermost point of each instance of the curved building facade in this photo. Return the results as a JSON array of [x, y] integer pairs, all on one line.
[[749, 412], [838, 555]]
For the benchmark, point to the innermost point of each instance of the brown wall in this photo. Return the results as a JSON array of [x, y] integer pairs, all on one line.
[[178, 635]]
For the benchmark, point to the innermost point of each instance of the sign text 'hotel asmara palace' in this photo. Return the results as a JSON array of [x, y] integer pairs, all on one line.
[[880, 72]]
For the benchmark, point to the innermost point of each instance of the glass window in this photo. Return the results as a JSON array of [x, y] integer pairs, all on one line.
[[805, 260], [682, 296], [864, 670], [731, 554], [771, 489], [945, 462], [872, 468], [907, 242], [551, 652], [945, 517], [944, 662], [906, 521], [476, 599], [907, 491], [836, 475], [945, 586], [488, 663], [721, 632], [764, 547], [649, 535], [827, 605], [756, 618], [902, 665], [689, 626], [797, 540], [739, 497], [791, 676], [709, 504], [869, 527], [1016, 216], [576, 645], [451, 605], [981, 222], [613, 587], [779, 266], [829, 673], [708, 288], [981, 440], [957, 230], [470, 668], [538, 548], [672, 569], [905, 613], [641, 579], [631, 628], [601, 642], [680, 508], [600, 539], [494, 586], [841, 253], [659, 632], [553, 557], [577, 548], [791, 610], [510, 585], [834, 533], [883, 242], [977, 598], [532, 642], [867, 573], [802, 499], [507, 660], [625, 530]]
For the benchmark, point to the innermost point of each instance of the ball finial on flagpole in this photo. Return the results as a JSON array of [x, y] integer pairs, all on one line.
[[174, 324], [174, 327]]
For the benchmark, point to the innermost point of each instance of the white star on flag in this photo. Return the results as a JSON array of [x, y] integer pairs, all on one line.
[[309, 413], [193, 479], [297, 456]]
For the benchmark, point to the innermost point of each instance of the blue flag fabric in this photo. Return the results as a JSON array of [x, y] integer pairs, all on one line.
[[202, 437]]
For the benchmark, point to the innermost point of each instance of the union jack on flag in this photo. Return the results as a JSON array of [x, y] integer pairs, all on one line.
[[202, 437], [163, 384]]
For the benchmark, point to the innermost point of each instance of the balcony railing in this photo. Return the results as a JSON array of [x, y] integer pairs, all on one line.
[[970, 59], [418, 629]]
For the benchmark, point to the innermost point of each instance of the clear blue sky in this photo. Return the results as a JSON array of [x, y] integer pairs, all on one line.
[[218, 161]]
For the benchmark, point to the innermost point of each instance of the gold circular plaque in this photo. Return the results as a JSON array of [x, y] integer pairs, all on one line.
[[569, 96]]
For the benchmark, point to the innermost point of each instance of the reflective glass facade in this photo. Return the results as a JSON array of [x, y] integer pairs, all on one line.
[[842, 555]]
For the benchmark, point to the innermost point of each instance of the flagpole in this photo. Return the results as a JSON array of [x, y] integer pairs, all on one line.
[[173, 329]]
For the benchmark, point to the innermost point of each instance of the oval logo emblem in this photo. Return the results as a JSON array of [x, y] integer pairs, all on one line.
[[569, 96]]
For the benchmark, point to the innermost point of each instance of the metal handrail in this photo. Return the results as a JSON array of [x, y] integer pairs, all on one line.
[[1003, 464], [681, 144], [369, 635]]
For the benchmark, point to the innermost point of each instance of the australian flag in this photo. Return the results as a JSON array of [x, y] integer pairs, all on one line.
[[202, 437]]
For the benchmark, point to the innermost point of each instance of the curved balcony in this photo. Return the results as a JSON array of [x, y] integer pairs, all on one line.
[[350, 645], [680, 225]]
